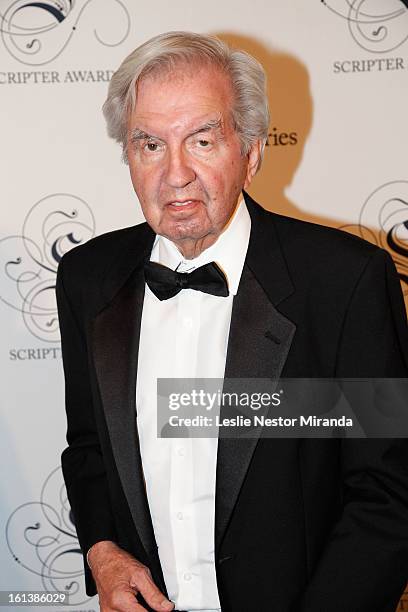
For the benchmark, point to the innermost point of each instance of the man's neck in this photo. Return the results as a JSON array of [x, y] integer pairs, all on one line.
[[190, 249]]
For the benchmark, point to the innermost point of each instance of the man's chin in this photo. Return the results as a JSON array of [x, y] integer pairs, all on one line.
[[184, 230], [179, 236], [190, 240]]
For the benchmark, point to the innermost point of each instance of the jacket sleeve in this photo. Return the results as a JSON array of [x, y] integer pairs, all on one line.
[[364, 566], [82, 462]]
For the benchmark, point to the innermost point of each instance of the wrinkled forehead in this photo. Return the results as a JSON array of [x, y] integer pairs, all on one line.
[[198, 71], [181, 93]]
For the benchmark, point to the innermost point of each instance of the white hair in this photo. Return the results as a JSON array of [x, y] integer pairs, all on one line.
[[250, 112]]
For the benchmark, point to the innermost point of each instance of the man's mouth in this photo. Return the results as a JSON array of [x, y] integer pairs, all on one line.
[[182, 204]]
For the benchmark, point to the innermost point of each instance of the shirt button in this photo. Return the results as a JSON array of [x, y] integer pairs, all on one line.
[[187, 577], [180, 516], [181, 452]]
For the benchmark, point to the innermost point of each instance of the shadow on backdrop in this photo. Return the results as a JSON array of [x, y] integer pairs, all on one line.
[[291, 106]]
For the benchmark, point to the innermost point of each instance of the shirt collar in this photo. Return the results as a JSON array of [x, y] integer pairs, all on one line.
[[229, 250]]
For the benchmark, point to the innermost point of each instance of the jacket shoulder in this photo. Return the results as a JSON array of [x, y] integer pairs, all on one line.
[[322, 240], [104, 248], [314, 251], [95, 270], [318, 257]]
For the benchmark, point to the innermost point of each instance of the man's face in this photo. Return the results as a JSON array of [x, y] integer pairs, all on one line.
[[184, 155]]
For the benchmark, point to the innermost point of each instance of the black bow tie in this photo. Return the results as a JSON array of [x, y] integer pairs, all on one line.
[[165, 283]]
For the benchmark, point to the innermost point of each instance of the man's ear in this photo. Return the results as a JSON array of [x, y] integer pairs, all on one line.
[[254, 159]]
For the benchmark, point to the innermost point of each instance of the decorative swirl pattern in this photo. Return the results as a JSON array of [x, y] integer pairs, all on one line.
[[42, 539], [373, 29], [29, 261], [35, 33], [384, 221]]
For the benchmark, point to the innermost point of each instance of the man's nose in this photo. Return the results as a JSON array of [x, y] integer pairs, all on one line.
[[179, 170]]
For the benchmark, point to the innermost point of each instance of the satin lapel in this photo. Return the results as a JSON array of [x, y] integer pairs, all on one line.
[[116, 333], [259, 342]]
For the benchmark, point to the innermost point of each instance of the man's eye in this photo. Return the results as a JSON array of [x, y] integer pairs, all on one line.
[[152, 146], [203, 143]]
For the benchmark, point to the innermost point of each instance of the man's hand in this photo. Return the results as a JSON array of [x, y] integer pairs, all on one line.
[[119, 577]]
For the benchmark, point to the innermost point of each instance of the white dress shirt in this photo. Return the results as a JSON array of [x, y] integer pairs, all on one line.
[[186, 336]]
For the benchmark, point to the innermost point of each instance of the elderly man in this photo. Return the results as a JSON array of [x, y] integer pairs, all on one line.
[[214, 286]]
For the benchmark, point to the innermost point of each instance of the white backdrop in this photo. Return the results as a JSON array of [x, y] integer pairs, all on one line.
[[337, 156]]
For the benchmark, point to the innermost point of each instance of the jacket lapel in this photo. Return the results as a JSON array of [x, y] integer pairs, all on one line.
[[115, 343], [259, 342]]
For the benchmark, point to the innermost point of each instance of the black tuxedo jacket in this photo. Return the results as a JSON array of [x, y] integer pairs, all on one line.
[[300, 524]]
